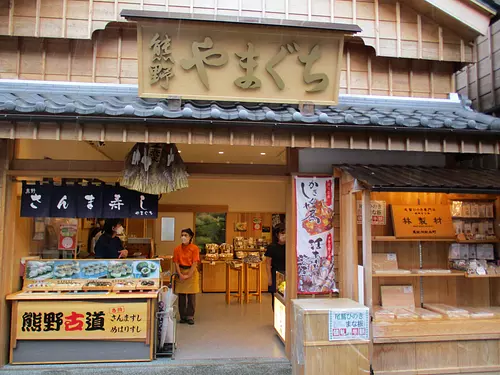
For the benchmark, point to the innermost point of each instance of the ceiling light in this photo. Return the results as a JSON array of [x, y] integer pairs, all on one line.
[[263, 153], [179, 151], [221, 152]]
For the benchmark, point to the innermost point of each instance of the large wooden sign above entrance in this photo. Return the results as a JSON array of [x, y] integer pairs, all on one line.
[[425, 221], [235, 61]]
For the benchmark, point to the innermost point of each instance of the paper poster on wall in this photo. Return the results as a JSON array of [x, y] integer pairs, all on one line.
[[67, 237], [379, 212], [315, 236]]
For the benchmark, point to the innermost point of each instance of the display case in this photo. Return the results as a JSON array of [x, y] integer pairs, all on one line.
[[74, 311], [280, 306], [435, 292]]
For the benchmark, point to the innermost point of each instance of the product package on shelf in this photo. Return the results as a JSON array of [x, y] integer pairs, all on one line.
[[450, 312], [383, 314], [397, 296], [384, 262], [480, 313], [212, 252], [226, 251], [431, 271], [426, 314]]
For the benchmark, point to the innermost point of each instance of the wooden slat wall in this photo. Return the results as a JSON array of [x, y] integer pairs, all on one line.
[[480, 82], [111, 57], [392, 28]]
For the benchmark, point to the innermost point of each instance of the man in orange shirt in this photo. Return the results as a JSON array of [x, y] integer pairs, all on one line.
[[186, 259]]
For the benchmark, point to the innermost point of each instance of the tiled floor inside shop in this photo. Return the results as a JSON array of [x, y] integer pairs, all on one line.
[[229, 331]]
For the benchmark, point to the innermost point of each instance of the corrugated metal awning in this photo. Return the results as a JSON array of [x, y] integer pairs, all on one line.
[[425, 179]]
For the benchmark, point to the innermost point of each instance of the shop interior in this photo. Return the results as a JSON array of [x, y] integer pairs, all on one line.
[[232, 216]]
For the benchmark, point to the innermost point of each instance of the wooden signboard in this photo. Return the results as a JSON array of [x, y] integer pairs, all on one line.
[[79, 320], [238, 62], [423, 221]]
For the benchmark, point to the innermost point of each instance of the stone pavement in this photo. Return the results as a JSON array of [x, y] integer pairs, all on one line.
[[246, 366]]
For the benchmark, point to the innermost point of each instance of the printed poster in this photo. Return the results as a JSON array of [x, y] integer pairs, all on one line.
[[67, 237], [345, 325], [379, 212], [315, 258]]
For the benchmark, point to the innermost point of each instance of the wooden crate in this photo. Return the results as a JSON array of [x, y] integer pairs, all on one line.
[[314, 353]]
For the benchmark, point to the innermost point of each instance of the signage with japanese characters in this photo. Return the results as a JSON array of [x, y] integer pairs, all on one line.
[[378, 212], [424, 221], [35, 200], [315, 253], [79, 320], [195, 60], [76, 201], [344, 325]]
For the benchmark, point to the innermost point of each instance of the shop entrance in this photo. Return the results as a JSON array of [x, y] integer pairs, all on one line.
[[232, 215]]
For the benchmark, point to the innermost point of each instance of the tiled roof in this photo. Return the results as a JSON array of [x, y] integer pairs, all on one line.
[[33, 97], [425, 179]]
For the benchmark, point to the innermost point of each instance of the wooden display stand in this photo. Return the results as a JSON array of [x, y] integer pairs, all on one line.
[[411, 343], [82, 327], [314, 353], [214, 278], [229, 294], [257, 292]]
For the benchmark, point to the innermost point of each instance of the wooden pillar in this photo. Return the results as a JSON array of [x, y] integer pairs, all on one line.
[[291, 263], [349, 238], [8, 204], [367, 248]]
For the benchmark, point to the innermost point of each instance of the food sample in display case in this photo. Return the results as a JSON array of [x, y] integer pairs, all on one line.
[[86, 275]]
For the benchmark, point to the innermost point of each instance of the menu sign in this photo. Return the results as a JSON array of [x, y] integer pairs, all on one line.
[[425, 221], [315, 258], [79, 320]]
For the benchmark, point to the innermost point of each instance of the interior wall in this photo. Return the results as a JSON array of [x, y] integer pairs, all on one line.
[[40, 148], [240, 195], [183, 220]]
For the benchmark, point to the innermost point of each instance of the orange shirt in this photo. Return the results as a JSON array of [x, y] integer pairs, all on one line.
[[186, 255]]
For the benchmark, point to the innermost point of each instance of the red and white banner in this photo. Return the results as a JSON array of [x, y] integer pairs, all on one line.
[[315, 258]]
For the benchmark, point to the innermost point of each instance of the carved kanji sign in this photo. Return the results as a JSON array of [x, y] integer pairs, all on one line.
[[200, 60]]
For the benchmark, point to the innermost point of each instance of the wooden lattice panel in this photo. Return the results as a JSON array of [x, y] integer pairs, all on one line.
[[111, 57], [391, 27]]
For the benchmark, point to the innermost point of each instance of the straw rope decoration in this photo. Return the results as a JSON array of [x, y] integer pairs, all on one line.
[[154, 168]]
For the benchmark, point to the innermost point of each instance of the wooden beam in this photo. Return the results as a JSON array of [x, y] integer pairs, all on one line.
[[292, 159], [105, 168], [192, 208]]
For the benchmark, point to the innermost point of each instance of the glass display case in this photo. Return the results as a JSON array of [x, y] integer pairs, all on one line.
[[279, 306]]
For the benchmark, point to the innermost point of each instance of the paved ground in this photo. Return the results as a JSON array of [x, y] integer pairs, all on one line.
[[248, 366], [226, 340]]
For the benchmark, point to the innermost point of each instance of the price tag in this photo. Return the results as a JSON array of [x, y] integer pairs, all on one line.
[[408, 289], [391, 257]]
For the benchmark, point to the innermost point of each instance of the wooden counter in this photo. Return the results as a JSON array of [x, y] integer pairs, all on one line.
[[214, 277], [82, 327]]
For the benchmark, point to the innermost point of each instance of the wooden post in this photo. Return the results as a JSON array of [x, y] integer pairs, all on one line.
[[291, 263], [8, 204], [367, 247], [349, 239]]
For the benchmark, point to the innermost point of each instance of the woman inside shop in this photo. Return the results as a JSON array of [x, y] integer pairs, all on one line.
[[276, 258], [109, 245], [186, 259]]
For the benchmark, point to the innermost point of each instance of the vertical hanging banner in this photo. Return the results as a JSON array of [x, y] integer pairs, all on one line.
[[315, 258], [63, 201]]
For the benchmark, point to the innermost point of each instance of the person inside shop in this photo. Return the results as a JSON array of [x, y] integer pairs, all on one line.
[[94, 235], [109, 245], [186, 260], [276, 258]]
